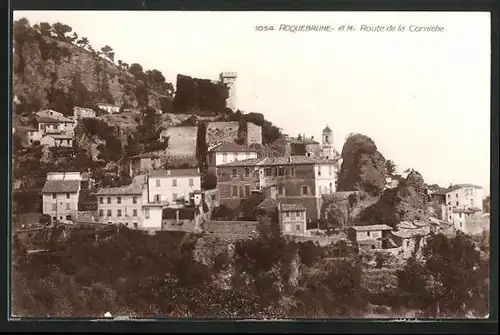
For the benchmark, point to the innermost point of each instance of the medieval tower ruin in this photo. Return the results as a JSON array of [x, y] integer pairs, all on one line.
[[229, 78]]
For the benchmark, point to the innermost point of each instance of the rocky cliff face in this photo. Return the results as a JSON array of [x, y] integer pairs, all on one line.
[[48, 69], [405, 203], [362, 166]]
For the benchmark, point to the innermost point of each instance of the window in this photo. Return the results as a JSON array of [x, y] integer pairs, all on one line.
[[449, 203], [134, 212], [457, 203], [101, 212], [456, 195], [287, 214], [157, 197], [191, 182], [247, 172], [292, 171], [235, 190], [109, 200], [68, 217], [119, 212], [101, 200], [302, 215], [224, 157], [235, 156], [174, 182], [297, 227], [214, 197], [119, 200], [459, 215], [281, 190], [235, 173], [54, 207], [134, 200], [109, 212], [319, 170], [174, 196], [305, 190], [68, 206], [158, 183], [367, 233], [146, 213], [135, 225], [247, 190], [268, 172], [330, 170], [54, 196], [293, 216], [281, 171], [67, 196], [408, 243]]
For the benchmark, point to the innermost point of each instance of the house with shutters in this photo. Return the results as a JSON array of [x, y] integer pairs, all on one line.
[[227, 153], [173, 185], [296, 179], [60, 195]]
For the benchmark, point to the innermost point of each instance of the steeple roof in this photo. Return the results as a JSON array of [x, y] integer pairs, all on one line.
[[327, 130]]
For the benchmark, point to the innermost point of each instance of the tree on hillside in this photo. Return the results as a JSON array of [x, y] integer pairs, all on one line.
[[61, 30], [452, 279], [83, 42], [136, 69], [74, 37], [46, 29], [108, 52], [390, 167]]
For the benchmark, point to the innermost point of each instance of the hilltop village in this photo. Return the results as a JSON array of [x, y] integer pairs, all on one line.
[[132, 197]]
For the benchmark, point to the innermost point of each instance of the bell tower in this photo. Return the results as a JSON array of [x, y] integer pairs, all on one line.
[[229, 78], [327, 143]]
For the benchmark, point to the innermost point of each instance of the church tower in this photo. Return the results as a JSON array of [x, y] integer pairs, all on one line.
[[229, 78], [327, 143]]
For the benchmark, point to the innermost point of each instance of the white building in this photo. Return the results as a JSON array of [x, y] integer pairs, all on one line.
[[53, 125], [50, 113], [167, 186], [465, 197], [60, 195], [109, 108], [228, 153], [292, 219], [325, 178], [122, 205], [57, 140], [81, 113]]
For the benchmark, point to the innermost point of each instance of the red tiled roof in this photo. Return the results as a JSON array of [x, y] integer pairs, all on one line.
[[231, 147], [61, 186]]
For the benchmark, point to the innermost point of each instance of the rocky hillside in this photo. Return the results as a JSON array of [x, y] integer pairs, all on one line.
[[363, 166], [54, 67], [406, 202]]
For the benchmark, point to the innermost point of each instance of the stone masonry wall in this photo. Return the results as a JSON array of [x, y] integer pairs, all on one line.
[[182, 141], [253, 134], [221, 132]]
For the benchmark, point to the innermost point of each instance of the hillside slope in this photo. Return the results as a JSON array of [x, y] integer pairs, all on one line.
[[51, 69]]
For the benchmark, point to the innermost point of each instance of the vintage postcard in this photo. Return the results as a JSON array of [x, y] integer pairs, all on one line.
[[250, 165]]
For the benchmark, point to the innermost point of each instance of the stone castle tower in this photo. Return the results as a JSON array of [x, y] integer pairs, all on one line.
[[327, 143], [229, 78]]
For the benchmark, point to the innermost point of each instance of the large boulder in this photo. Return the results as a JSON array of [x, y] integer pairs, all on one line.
[[406, 202], [363, 167]]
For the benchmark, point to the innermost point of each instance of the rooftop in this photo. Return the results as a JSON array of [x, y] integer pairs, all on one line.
[[131, 189], [470, 210], [269, 204], [409, 233], [327, 130], [61, 186], [371, 227], [231, 147], [272, 161], [292, 207], [303, 141], [456, 187], [60, 136], [175, 173], [151, 154], [48, 119]]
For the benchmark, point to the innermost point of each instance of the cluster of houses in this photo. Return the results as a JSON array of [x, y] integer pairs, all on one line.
[[52, 129], [293, 185]]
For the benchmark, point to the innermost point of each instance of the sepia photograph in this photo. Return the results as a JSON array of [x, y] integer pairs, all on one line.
[[250, 165]]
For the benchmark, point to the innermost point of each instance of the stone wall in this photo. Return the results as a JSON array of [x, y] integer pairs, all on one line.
[[221, 132], [253, 134], [182, 141]]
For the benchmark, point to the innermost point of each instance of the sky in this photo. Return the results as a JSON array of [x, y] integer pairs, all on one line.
[[423, 97]]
